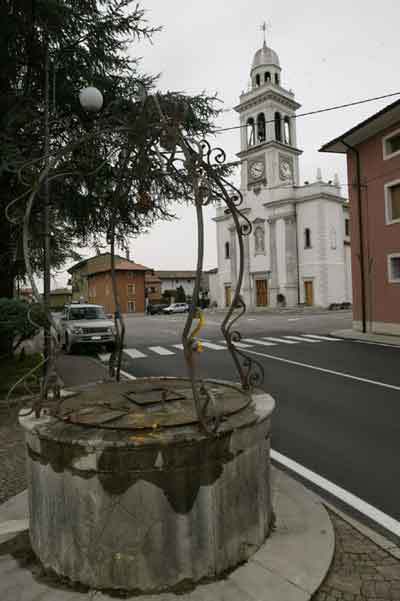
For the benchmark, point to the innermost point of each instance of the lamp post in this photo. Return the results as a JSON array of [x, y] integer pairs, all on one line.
[[91, 101]]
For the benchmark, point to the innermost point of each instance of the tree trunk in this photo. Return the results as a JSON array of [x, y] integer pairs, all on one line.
[[6, 258]]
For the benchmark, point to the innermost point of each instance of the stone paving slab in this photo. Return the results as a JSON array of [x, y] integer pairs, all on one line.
[[289, 566]]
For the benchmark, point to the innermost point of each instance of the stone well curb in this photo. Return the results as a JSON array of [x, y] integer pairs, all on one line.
[[290, 566]]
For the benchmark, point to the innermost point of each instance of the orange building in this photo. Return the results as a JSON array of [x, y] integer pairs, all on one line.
[[91, 282], [153, 288]]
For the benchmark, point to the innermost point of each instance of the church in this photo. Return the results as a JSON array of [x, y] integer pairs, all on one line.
[[299, 249]]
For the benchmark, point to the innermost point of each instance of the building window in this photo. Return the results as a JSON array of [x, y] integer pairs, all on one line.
[[130, 275], [392, 201], [261, 127], [131, 289], [267, 77], [131, 307], [307, 238], [107, 289], [227, 250], [286, 131], [278, 127], [277, 79], [250, 132], [257, 80], [391, 145], [394, 268], [347, 227], [152, 289]]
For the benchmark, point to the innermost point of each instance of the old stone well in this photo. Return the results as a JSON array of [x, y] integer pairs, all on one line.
[[126, 491]]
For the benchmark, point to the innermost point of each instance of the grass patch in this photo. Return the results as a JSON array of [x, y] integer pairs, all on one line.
[[13, 368]]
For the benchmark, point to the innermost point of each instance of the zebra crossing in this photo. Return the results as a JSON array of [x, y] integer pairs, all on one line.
[[220, 345]]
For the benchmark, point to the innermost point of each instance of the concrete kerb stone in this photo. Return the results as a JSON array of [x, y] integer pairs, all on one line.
[[367, 337], [290, 566]]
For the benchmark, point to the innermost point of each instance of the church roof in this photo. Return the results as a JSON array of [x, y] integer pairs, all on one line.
[[265, 56]]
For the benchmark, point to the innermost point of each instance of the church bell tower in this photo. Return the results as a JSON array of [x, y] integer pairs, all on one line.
[[268, 148]]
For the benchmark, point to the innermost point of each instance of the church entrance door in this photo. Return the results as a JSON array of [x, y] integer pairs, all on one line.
[[261, 293], [308, 292], [228, 296]]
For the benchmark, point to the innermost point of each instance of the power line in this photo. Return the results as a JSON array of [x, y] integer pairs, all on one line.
[[317, 111]]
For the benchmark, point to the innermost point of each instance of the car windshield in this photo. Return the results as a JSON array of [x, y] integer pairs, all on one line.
[[77, 313]]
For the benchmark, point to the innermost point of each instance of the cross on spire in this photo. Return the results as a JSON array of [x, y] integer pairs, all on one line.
[[264, 27]]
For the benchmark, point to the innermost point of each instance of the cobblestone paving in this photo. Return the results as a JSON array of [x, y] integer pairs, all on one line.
[[360, 571], [12, 455]]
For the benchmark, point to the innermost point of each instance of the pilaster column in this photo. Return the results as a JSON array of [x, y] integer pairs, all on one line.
[[232, 246], [273, 286]]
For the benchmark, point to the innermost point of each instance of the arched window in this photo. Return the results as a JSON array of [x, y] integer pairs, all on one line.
[[267, 76], [261, 128], [227, 250], [250, 132], [286, 131], [277, 78], [278, 127], [307, 238], [257, 80]]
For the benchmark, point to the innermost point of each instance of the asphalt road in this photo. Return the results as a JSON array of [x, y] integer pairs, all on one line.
[[338, 402]]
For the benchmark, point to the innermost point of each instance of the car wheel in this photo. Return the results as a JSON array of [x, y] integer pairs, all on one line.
[[69, 347], [110, 347]]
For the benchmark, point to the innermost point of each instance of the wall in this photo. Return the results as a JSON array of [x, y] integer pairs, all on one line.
[[100, 290], [382, 297]]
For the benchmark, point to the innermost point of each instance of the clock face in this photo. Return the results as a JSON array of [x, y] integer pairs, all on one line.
[[256, 169], [285, 169]]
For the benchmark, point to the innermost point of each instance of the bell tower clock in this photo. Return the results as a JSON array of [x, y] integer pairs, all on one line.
[[268, 149]]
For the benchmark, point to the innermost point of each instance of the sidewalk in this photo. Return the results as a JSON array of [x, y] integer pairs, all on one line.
[[80, 370], [367, 337]]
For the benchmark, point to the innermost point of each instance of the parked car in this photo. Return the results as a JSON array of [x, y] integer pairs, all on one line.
[[176, 308], [156, 309], [83, 324]]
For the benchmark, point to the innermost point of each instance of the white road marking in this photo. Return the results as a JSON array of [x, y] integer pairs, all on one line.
[[179, 346], [347, 497], [299, 339], [214, 347], [160, 350], [126, 375], [14, 526], [238, 344], [262, 342], [280, 340], [329, 338], [328, 371], [295, 318], [134, 353], [104, 357]]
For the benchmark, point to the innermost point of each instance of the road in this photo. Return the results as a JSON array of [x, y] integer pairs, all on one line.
[[338, 401]]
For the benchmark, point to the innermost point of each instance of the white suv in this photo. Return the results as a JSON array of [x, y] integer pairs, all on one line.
[[86, 324]]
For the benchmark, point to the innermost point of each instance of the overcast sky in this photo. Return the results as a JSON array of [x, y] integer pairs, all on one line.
[[330, 53]]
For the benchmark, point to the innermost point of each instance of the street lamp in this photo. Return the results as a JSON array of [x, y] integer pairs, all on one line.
[[91, 100]]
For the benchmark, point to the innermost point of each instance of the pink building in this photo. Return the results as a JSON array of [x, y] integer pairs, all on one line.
[[373, 163]]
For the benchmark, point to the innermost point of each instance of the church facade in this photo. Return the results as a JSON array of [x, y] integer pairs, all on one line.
[[299, 249]]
